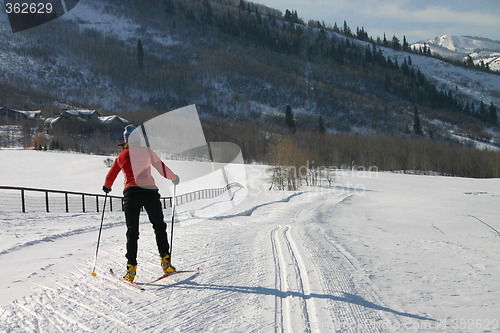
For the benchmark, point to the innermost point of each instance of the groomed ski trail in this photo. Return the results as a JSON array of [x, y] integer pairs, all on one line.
[[320, 289], [271, 264], [297, 312]]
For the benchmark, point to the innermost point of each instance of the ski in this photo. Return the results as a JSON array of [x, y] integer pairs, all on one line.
[[174, 273], [132, 284]]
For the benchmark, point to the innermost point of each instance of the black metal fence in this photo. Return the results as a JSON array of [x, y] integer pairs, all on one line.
[[204, 194], [26, 199]]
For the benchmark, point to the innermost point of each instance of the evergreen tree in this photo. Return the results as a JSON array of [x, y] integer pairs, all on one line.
[[361, 34], [347, 30], [336, 28], [417, 129], [291, 16], [290, 122], [492, 114], [385, 42], [395, 43], [483, 113], [322, 129], [406, 46]]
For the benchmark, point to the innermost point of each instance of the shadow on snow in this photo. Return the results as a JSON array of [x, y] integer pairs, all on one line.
[[347, 298]]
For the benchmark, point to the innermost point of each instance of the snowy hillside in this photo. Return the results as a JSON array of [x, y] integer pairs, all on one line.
[[378, 252], [459, 47], [76, 75], [460, 80]]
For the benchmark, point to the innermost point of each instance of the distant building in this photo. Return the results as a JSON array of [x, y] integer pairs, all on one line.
[[81, 121], [8, 115], [76, 121], [89, 116], [113, 123], [72, 121]]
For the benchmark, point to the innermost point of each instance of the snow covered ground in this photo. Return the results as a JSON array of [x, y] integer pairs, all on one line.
[[378, 252]]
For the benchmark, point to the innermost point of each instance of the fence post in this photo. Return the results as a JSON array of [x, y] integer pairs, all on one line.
[[83, 203], [110, 204], [97, 202], [47, 201], [66, 201], [23, 202]]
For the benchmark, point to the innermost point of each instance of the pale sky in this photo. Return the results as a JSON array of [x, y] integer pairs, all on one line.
[[416, 19]]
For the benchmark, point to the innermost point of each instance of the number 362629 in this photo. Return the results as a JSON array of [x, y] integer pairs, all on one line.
[[28, 8]]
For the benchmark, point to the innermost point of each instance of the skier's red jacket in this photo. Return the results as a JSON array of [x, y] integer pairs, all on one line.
[[136, 166]]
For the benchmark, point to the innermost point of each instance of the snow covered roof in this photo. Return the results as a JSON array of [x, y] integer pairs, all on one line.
[[51, 120], [108, 119], [81, 112], [29, 114]]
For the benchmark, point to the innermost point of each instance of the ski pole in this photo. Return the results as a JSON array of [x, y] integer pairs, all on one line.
[[99, 237], [172, 227]]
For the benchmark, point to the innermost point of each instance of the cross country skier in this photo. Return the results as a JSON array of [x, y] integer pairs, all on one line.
[[140, 191]]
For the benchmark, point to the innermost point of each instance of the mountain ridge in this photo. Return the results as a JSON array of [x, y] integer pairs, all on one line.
[[480, 49]]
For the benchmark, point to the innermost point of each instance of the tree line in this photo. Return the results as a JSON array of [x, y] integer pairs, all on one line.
[[293, 150]]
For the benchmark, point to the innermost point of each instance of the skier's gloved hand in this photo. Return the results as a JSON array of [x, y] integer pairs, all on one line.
[[106, 189], [176, 180]]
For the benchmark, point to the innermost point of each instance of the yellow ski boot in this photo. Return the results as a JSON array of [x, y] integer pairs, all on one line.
[[130, 275], [166, 265]]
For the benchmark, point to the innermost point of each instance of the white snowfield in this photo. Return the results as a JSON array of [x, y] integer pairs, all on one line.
[[379, 252]]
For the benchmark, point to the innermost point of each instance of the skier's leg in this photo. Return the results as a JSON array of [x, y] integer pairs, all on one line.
[[155, 213], [153, 207], [132, 207]]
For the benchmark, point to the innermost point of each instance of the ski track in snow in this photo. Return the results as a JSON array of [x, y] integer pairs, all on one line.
[[316, 293]]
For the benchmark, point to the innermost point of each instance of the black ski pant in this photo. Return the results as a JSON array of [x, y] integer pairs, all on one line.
[[134, 200]]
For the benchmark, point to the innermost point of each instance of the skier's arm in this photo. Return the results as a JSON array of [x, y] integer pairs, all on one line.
[[161, 167], [112, 174]]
